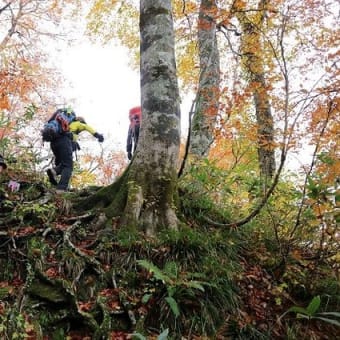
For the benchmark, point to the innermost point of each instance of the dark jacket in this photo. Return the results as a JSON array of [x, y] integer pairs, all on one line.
[[132, 139]]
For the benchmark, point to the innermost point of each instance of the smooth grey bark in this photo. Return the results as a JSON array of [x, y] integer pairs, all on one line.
[[207, 100], [152, 183]]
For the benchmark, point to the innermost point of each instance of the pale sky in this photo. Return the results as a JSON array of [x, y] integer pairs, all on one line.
[[101, 87]]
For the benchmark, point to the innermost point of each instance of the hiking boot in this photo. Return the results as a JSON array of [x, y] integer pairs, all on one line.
[[60, 191], [51, 173]]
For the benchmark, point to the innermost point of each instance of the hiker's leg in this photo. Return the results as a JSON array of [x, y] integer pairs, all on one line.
[[56, 153], [66, 162], [57, 147], [52, 173], [65, 177]]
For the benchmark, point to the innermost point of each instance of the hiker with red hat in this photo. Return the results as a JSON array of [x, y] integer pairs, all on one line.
[[135, 115]]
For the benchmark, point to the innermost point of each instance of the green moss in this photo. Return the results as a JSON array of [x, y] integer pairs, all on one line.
[[37, 248], [4, 291], [116, 196], [47, 291], [111, 198]]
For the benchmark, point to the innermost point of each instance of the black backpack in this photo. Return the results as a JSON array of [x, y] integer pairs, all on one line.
[[57, 125]]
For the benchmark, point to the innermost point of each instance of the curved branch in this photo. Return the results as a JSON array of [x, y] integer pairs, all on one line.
[[256, 211], [187, 145]]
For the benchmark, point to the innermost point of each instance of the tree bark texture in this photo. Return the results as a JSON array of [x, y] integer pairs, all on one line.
[[152, 179], [208, 91], [252, 58]]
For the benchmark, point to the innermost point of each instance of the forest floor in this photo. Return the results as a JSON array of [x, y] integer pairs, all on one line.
[[66, 276]]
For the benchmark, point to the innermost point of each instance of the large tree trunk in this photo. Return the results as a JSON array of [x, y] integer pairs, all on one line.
[[252, 58], [145, 196], [208, 92]]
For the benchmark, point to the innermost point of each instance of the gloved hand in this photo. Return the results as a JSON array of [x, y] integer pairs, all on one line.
[[129, 155], [99, 136], [75, 146]]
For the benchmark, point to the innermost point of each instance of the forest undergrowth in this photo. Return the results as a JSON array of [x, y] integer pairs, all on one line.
[[68, 274]]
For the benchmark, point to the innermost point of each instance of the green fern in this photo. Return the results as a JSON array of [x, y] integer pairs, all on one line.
[[176, 284], [311, 312]]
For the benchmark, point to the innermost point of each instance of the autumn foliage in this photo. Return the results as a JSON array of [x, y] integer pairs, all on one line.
[[247, 251]]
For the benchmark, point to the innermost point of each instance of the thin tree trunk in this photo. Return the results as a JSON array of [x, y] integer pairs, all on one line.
[[208, 92], [252, 58]]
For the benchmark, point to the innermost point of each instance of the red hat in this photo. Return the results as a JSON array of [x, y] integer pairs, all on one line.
[[135, 111]]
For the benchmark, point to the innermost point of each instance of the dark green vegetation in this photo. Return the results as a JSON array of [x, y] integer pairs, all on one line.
[[67, 273]]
